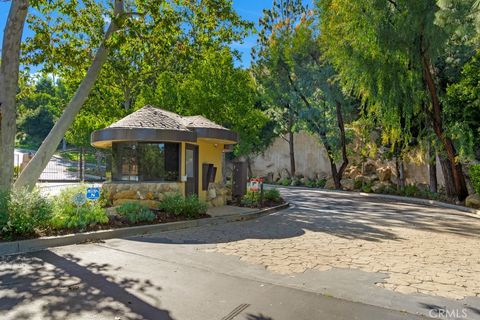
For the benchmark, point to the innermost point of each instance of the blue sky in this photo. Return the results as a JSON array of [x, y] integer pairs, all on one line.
[[249, 9]]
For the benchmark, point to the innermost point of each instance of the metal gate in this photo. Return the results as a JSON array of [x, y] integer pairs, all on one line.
[[76, 165]]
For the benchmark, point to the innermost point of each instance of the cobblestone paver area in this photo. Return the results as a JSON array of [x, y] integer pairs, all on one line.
[[420, 249], [426, 250], [424, 262]]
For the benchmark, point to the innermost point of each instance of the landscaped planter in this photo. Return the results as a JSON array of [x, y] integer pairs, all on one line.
[[21, 246]]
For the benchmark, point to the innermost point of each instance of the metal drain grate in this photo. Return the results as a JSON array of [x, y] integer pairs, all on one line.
[[235, 312]]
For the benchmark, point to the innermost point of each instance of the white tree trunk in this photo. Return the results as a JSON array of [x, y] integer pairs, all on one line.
[[9, 70], [33, 170]]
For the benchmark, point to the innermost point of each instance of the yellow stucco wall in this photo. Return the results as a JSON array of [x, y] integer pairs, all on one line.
[[208, 152]]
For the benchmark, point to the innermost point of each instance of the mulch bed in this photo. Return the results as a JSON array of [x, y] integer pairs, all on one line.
[[161, 217]]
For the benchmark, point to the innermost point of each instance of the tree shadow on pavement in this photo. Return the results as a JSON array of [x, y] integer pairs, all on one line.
[[48, 286], [342, 215]]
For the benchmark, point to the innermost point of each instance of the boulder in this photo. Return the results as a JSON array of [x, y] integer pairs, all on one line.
[[368, 168], [152, 204], [129, 194], [218, 201], [164, 187], [347, 184], [366, 179], [352, 172], [168, 194], [329, 184], [473, 201], [384, 174], [149, 195]]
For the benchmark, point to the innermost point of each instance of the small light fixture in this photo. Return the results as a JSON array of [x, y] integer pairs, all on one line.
[[216, 145]]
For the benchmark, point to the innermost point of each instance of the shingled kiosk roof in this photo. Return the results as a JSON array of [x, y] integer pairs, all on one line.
[[153, 124]]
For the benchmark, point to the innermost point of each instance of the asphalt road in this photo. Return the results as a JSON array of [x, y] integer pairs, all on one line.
[[182, 275], [95, 281]]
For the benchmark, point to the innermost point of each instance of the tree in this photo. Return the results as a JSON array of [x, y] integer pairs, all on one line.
[[213, 87], [34, 168], [314, 80], [292, 71], [387, 52], [64, 44], [39, 104], [272, 72], [463, 109], [9, 73]]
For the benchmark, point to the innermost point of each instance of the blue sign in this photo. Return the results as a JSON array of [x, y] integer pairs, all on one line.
[[93, 193], [79, 199]]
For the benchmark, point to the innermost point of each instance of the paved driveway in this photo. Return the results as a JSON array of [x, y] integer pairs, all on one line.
[[331, 256], [422, 249]]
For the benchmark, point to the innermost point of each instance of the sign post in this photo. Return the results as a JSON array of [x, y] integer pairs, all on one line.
[[256, 185], [79, 200]]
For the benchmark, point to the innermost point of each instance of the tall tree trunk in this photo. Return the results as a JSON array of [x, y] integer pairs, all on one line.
[[432, 169], [337, 174], [343, 140], [400, 168], [291, 147], [9, 70], [333, 166], [34, 169], [249, 167], [446, 166], [457, 173]]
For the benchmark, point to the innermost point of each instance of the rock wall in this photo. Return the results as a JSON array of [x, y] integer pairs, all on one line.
[[312, 162], [148, 193], [152, 193], [310, 158], [218, 194]]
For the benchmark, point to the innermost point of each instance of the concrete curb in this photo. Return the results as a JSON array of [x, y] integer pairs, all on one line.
[[31, 245], [475, 213]]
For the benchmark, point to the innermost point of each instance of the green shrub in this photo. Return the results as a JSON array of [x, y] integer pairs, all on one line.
[[190, 206], [105, 199], [311, 183], [172, 204], [295, 181], [321, 183], [23, 212], [4, 196], [193, 207], [475, 177], [367, 187], [357, 185], [415, 191], [285, 181], [272, 195], [135, 212], [251, 199], [66, 215]]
